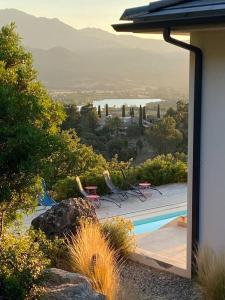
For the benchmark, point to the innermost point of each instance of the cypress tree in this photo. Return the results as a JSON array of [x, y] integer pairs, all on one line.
[[123, 111], [140, 116], [158, 112], [131, 112], [107, 110], [99, 111], [144, 113]]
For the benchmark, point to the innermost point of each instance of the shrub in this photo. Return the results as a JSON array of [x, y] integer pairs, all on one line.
[[55, 250], [91, 256], [211, 273], [22, 264], [163, 169], [119, 233]]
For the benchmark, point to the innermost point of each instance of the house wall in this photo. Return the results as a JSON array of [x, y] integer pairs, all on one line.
[[212, 191]]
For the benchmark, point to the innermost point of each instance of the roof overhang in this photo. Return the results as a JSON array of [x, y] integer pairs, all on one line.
[[181, 16]]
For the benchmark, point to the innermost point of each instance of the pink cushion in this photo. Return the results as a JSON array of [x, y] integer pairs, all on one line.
[[93, 197]]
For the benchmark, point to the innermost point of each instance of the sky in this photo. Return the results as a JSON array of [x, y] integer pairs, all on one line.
[[78, 13]]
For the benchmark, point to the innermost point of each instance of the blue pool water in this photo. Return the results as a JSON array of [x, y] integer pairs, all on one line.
[[154, 223]]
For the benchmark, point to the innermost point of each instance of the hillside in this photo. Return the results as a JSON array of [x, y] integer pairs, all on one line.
[[90, 58]]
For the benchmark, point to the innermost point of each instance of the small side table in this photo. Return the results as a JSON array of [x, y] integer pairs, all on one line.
[[144, 185], [91, 190]]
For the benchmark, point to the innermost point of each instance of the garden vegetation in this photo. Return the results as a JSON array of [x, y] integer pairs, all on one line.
[[92, 256]]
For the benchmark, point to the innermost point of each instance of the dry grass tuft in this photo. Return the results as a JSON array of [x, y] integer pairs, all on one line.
[[211, 273], [91, 256]]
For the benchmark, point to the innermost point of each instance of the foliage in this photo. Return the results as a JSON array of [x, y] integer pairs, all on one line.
[[121, 147], [74, 159], [89, 118], [91, 256], [114, 124], [72, 117], [123, 111], [162, 169], [29, 130], [22, 264], [119, 233], [164, 137], [55, 250], [140, 116], [134, 131], [181, 117], [211, 273]]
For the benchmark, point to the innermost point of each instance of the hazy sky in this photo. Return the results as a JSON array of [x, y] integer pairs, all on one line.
[[78, 13]]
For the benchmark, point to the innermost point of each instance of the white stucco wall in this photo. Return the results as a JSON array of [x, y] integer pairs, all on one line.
[[212, 198]]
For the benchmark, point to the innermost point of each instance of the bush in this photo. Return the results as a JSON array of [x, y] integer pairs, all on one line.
[[55, 250], [163, 169], [119, 233], [91, 256], [22, 264], [211, 273]]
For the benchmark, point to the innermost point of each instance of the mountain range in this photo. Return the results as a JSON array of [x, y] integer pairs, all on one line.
[[90, 58]]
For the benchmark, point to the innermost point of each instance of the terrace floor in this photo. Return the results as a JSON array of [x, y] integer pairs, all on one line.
[[173, 195], [168, 244]]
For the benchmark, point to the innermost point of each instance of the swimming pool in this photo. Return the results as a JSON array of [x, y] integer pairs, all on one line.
[[154, 223]]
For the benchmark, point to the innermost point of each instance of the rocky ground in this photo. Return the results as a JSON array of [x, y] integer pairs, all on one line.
[[139, 282]]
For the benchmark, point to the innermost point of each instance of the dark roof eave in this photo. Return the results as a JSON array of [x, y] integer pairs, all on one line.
[[158, 26]]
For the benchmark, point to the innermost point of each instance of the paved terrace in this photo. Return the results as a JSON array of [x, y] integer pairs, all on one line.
[[173, 195], [167, 244]]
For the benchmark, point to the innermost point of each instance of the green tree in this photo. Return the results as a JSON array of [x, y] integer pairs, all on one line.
[[99, 111], [72, 117], [114, 124], [140, 116], [164, 137], [29, 130], [158, 112], [107, 110], [123, 111], [89, 119], [72, 160], [181, 118], [131, 114], [144, 113]]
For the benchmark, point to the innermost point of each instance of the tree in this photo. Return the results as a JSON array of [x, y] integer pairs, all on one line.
[[158, 112], [72, 160], [72, 117], [181, 117], [140, 116], [131, 114], [29, 127], [144, 113], [99, 111], [114, 124], [89, 119], [107, 110], [164, 137], [123, 111]]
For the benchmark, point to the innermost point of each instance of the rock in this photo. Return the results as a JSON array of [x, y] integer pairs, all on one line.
[[63, 219], [62, 285]]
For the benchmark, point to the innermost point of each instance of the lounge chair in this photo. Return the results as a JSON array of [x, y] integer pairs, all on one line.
[[93, 198], [136, 187], [44, 199], [114, 190]]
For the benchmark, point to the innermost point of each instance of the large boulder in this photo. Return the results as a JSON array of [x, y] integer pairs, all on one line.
[[61, 285], [63, 218]]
